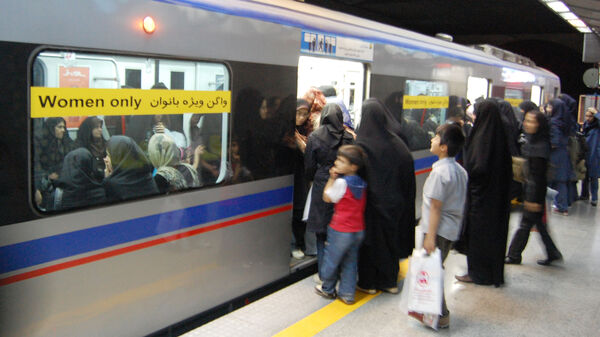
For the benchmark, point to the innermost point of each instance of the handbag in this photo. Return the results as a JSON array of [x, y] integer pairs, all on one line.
[[519, 169]]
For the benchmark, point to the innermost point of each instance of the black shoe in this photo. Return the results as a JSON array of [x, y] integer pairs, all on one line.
[[549, 260], [594, 203], [510, 260]]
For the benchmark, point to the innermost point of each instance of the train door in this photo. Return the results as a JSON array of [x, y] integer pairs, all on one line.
[[477, 87], [346, 77], [537, 94]]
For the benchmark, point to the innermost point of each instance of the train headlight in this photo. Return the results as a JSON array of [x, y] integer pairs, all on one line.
[[149, 25]]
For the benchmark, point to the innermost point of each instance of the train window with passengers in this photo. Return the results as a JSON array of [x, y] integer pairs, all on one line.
[[424, 109], [108, 128]]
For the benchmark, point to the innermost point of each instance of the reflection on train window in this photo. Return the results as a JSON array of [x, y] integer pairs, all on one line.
[[108, 146], [422, 117]]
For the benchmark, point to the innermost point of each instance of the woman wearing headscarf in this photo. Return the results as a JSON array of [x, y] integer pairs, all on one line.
[[488, 163], [128, 170], [560, 129], [89, 136], [171, 174], [536, 150], [78, 182], [317, 101], [303, 128], [591, 130], [51, 146], [575, 147], [390, 210], [512, 128], [320, 153]]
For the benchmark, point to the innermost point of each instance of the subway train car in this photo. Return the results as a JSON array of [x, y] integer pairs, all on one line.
[[202, 71]]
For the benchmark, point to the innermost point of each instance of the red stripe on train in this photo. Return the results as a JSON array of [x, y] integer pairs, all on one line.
[[128, 249]]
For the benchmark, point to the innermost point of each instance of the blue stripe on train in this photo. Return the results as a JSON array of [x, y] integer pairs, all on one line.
[[34, 252], [423, 163]]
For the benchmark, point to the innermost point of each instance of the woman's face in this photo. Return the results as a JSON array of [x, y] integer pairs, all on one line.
[[530, 124], [263, 109], [97, 132], [589, 116], [59, 130], [301, 116]]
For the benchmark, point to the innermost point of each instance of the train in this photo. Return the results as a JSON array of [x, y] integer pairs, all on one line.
[[137, 266]]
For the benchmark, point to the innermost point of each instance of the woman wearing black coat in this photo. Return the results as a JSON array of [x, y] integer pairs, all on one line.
[[537, 152]]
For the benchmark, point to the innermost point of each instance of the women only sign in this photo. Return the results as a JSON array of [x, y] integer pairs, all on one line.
[[65, 102]]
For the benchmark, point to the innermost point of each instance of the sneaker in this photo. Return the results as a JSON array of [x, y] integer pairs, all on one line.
[[444, 322], [297, 254], [366, 291], [348, 301], [320, 292], [556, 211], [392, 290], [594, 203], [317, 279]]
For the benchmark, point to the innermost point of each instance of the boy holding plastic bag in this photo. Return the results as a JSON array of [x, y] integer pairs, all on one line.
[[444, 195]]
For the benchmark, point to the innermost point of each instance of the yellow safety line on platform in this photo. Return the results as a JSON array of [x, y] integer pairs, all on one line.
[[331, 313]]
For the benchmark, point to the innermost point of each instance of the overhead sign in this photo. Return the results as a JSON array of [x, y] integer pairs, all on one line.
[[425, 102], [514, 101], [65, 102], [336, 46]]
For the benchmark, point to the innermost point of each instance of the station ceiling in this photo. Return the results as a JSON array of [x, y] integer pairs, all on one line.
[[526, 27]]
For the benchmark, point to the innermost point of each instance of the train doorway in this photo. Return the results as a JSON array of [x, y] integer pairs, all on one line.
[[347, 77]]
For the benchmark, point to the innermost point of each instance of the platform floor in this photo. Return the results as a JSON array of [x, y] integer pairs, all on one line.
[[561, 300]]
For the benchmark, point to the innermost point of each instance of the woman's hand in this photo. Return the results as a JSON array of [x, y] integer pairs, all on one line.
[[532, 207], [300, 141], [108, 166]]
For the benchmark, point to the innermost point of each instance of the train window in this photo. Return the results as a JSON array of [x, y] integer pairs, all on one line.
[[108, 128], [513, 96], [424, 109]]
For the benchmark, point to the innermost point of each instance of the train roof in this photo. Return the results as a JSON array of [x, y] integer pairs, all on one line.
[[310, 17]]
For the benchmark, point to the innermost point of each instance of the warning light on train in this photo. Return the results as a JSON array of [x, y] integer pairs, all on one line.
[[149, 25]]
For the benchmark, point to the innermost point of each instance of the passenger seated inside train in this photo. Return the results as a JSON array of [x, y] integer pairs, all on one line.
[[78, 184], [89, 136], [171, 173]]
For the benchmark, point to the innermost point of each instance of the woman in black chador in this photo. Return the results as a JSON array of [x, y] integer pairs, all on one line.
[[390, 209], [128, 170], [488, 163], [320, 153], [78, 181], [537, 152]]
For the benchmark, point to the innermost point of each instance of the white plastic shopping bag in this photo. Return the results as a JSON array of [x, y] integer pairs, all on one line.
[[426, 282]]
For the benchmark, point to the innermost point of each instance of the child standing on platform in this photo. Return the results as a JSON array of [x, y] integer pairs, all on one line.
[[444, 195], [345, 232]]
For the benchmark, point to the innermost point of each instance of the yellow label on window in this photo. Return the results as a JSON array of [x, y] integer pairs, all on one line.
[[66, 102], [514, 101], [425, 102]]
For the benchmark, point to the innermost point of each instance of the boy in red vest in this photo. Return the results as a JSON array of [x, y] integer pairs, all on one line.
[[346, 230]]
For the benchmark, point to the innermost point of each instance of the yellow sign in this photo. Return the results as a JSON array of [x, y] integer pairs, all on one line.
[[66, 102], [425, 102], [514, 101]]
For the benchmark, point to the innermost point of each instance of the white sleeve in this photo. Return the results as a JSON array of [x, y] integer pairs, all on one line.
[[337, 190]]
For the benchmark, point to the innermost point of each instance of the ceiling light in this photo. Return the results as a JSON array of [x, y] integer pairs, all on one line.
[[577, 23], [569, 16], [584, 30], [558, 6]]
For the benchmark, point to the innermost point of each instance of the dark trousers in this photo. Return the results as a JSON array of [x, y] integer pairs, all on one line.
[[444, 245], [298, 229], [519, 240]]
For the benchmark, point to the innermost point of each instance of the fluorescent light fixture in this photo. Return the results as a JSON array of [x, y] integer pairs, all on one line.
[[558, 6], [584, 30], [577, 23], [569, 16]]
